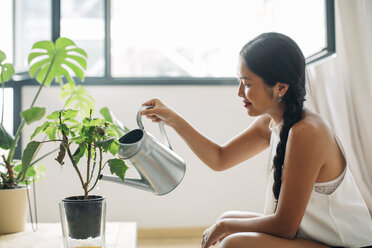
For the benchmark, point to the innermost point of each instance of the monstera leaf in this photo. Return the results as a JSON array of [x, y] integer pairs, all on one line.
[[48, 61], [78, 97]]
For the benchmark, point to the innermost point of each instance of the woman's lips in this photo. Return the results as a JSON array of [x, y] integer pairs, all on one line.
[[246, 103]]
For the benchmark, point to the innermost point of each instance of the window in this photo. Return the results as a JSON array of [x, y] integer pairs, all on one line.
[[84, 23], [6, 18], [194, 38], [174, 39], [32, 25]]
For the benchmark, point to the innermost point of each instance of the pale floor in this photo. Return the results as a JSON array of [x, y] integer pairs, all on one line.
[[170, 243]]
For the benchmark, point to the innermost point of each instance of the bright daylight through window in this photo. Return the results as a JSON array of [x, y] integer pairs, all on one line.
[[6, 17], [194, 38]]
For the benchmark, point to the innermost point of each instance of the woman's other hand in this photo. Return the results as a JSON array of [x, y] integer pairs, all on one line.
[[215, 233]]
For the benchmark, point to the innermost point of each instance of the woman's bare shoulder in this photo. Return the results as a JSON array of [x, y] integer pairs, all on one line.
[[312, 125]]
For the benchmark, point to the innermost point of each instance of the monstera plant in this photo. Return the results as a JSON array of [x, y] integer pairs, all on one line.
[[60, 60]]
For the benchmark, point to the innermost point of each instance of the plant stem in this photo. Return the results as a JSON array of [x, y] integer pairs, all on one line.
[[94, 164], [75, 166], [11, 183], [88, 161], [99, 170], [20, 128]]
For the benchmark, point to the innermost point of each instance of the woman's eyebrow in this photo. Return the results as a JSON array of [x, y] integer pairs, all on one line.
[[243, 77]]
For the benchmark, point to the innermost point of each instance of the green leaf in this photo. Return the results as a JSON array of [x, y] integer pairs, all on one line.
[[33, 114], [79, 139], [110, 132], [78, 97], [53, 116], [33, 55], [82, 62], [79, 153], [69, 113], [64, 128], [2, 56], [79, 51], [6, 138], [118, 167], [71, 120], [17, 168], [114, 147], [50, 63], [7, 72], [51, 132], [105, 144], [38, 66], [40, 171], [28, 155], [106, 113], [78, 71], [45, 44], [31, 172], [117, 125], [39, 129], [88, 122], [62, 43]]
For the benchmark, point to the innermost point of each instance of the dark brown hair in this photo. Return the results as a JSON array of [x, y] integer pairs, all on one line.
[[277, 58]]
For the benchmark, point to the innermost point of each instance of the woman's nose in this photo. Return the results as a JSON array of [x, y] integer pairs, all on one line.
[[240, 90]]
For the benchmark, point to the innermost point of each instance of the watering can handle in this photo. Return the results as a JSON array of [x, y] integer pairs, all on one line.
[[161, 126]]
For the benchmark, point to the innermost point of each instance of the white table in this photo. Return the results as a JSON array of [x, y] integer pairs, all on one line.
[[49, 235]]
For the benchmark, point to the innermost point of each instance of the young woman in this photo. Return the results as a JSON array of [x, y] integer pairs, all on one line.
[[314, 201]]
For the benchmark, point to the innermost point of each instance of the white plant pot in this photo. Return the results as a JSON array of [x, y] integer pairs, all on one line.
[[13, 210]]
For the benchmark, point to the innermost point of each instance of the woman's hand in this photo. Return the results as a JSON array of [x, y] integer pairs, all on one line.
[[160, 112], [215, 233]]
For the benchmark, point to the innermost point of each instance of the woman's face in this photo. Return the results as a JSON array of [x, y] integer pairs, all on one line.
[[257, 98]]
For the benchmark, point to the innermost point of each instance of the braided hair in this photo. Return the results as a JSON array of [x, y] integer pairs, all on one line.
[[277, 58]]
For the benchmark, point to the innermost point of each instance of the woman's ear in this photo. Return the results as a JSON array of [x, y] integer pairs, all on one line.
[[281, 88]]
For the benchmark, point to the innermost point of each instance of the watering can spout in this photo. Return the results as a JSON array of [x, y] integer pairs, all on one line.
[[135, 183]]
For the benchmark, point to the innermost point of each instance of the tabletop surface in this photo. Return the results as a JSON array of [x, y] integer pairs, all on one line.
[[49, 235]]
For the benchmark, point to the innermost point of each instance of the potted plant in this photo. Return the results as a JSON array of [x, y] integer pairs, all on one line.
[[82, 216], [47, 61]]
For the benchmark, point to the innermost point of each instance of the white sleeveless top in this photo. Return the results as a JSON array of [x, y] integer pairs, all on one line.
[[340, 218]]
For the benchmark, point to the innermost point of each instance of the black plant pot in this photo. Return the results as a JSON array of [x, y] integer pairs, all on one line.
[[84, 218]]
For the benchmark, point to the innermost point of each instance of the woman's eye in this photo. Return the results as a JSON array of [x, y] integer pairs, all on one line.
[[247, 85]]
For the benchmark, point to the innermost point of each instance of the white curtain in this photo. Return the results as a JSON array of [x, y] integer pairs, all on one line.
[[340, 89]]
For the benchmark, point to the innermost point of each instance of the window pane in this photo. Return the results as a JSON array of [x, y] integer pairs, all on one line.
[[8, 112], [6, 18], [202, 38], [83, 22], [33, 24]]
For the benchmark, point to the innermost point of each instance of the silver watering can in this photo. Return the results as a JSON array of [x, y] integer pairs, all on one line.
[[160, 168]]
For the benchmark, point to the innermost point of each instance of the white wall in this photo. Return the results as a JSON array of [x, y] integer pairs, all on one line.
[[203, 194]]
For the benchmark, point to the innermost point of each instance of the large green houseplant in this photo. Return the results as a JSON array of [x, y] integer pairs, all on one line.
[[48, 61], [82, 216]]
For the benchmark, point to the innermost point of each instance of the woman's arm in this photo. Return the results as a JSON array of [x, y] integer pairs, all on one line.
[[305, 156], [242, 147]]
